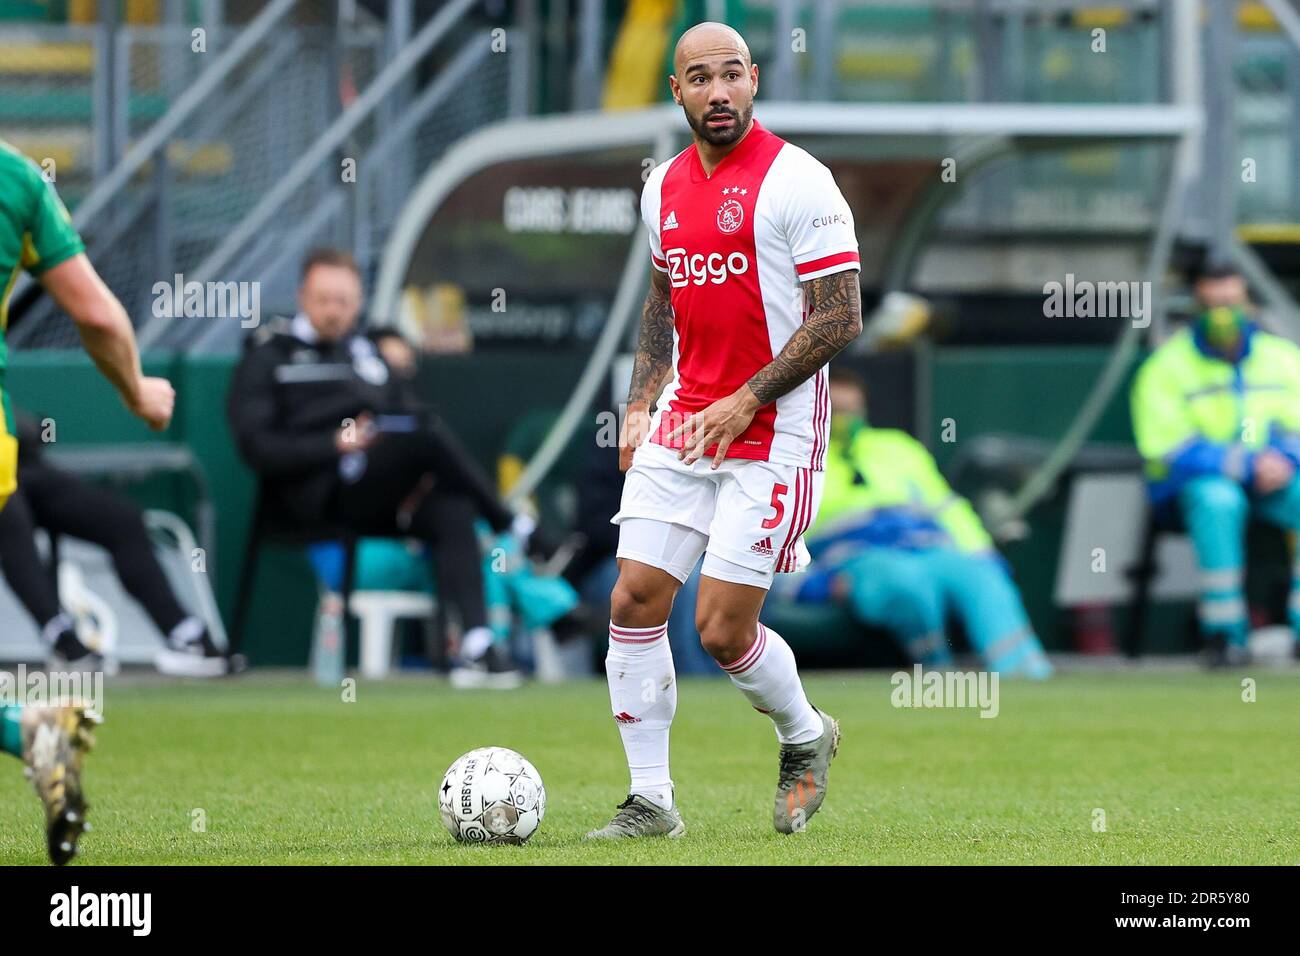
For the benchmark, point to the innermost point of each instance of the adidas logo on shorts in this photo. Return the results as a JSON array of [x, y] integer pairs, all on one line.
[[626, 718], [763, 547]]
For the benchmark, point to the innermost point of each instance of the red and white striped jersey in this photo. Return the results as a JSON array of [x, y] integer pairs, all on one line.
[[736, 246]]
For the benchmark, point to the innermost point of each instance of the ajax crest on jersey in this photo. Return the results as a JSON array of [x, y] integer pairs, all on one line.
[[731, 216], [492, 795]]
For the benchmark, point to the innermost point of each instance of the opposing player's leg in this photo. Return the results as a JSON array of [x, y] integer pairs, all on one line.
[[52, 740]]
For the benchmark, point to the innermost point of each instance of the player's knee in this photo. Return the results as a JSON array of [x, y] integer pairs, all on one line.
[[638, 603], [725, 636]]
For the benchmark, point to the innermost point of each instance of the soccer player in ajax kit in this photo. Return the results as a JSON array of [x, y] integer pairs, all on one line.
[[754, 289]]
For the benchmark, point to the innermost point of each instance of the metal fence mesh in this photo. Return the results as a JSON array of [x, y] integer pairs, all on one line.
[[55, 82], [390, 151], [220, 161]]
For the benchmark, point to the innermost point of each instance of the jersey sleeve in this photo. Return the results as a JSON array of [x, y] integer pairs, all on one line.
[[650, 201], [53, 239], [819, 224]]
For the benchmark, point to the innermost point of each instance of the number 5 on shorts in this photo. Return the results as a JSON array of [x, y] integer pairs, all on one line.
[[778, 492]]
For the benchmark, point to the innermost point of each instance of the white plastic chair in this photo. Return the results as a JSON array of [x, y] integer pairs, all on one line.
[[378, 612]]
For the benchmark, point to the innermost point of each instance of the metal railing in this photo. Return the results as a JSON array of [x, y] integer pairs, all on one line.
[[311, 203], [236, 178], [129, 215], [239, 174]]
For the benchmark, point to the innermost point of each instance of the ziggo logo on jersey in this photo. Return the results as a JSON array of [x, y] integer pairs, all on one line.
[[699, 268]]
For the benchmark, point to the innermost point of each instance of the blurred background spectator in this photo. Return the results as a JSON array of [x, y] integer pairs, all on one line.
[[1216, 412], [895, 544]]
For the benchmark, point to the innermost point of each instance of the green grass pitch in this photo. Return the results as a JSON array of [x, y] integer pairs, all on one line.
[[284, 772]]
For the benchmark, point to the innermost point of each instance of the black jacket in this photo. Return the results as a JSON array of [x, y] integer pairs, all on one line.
[[288, 398]]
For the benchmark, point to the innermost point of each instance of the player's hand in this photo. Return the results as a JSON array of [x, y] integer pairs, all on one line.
[[154, 401], [1273, 471], [636, 425], [720, 423]]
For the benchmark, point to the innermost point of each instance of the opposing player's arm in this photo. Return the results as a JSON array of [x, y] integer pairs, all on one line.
[[834, 320], [107, 335], [652, 366]]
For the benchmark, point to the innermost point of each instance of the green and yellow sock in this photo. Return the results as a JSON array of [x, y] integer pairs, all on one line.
[[11, 732]]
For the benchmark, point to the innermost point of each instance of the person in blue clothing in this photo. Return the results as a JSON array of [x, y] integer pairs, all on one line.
[[896, 545], [1216, 415]]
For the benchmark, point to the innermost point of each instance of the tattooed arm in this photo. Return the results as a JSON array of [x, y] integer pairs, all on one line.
[[834, 320], [654, 347], [654, 363]]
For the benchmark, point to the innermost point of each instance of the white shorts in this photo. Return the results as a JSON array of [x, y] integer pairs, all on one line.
[[747, 517]]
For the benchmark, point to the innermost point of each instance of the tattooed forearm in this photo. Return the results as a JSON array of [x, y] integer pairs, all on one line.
[[834, 320], [654, 347]]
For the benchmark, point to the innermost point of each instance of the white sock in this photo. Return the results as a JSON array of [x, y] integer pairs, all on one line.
[[643, 697], [766, 674]]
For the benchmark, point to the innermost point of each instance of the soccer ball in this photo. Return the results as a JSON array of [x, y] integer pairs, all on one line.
[[492, 795]]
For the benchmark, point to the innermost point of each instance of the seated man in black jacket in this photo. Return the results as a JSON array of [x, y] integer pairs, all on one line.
[[339, 441], [62, 503]]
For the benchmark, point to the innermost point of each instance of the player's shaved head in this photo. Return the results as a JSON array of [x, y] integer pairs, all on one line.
[[709, 40], [715, 80]]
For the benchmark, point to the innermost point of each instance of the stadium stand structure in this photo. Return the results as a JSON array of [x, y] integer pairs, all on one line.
[[98, 96]]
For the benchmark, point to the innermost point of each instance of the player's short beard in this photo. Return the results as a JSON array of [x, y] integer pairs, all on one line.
[[720, 137]]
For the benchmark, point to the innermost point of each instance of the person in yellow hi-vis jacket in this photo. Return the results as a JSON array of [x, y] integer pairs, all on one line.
[[1216, 414], [36, 235], [901, 549]]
